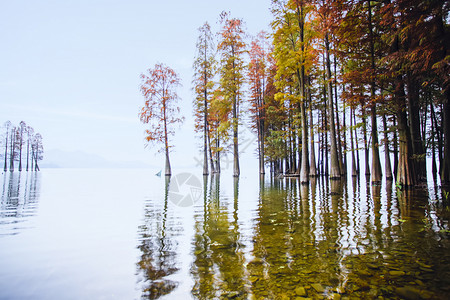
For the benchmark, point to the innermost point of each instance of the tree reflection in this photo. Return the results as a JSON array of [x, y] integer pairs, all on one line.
[[319, 240], [19, 200], [218, 267], [158, 249]]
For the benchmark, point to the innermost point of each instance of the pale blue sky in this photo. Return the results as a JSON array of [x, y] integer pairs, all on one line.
[[71, 68]]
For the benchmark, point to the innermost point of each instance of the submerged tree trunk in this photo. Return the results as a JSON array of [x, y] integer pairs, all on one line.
[[418, 150], [335, 172], [387, 159], [445, 172], [376, 164], [354, 169], [5, 167], [405, 171], [312, 171], [236, 170], [205, 130], [168, 171]]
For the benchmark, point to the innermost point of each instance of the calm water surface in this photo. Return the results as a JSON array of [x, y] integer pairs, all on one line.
[[128, 234]]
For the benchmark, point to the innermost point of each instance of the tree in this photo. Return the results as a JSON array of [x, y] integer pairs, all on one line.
[[30, 135], [232, 49], [7, 126], [203, 86], [324, 12], [158, 87], [37, 150], [258, 73], [22, 131]]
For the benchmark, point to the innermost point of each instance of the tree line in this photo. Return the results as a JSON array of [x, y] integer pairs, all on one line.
[[21, 145], [331, 78]]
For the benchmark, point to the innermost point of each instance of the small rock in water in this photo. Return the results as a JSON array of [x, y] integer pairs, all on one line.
[[300, 291], [318, 287], [408, 292], [397, 273]]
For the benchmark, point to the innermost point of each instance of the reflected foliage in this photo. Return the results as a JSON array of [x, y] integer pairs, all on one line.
[[158, 247], [19, 201], [218, 268], [326, 239]]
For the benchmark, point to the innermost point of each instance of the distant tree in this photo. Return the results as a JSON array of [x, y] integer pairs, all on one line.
[[30, 134], [232, 67], [22, 130], [203, 87], [158, 87], [37, 150], [7, 126], [258, 73]]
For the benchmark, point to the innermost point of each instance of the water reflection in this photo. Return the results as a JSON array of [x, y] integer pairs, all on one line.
[[19, 201], [321, 239], [158, 247], [218, 267]]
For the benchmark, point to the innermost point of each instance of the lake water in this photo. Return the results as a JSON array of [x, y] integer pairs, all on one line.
[[128, 234]]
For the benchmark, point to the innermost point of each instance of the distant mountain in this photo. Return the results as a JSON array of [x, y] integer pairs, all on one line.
[[56, 158]]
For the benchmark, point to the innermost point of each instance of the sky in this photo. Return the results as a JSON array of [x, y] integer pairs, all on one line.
[[70, 69]]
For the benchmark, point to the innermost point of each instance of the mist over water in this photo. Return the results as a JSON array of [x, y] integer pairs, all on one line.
[[123, 234]]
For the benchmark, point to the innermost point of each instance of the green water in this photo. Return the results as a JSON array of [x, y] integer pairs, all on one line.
[[277, 239]]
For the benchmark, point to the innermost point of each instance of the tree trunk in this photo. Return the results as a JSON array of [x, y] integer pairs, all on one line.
[[358, 165], [28, 151], [335, 172], [405, 173], [354, 169], [395, 148], [387, 159], [12, 152], [376, 164], [418, 151], [168, 171], [236, 170], [5, 167], [445, 173], [366, 144], [312, 171], [205, 130], [211, 160]]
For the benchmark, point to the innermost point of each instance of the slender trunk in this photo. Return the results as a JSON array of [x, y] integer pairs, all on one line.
[[418, 151], [387, 159], [12, 152], [236, 169], [338, 123], [376, 164], [445, 173], [344, 133], [312, 171], [405, 173], [32, 158], [5, 167], [205, 127], [335, 172], [354, 170], [20, 151], [217, 153], [358, 165], [366, 143], [28, 151], [168, 171], [395, 148], [433, 146], [36, 166], [211, 160]]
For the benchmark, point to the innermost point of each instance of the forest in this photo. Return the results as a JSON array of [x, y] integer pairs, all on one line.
[[332, 79], [21, 146]]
